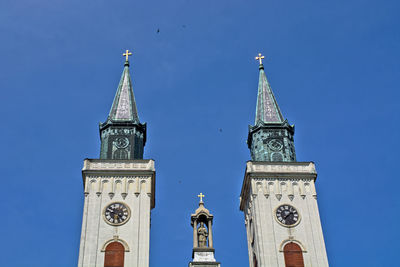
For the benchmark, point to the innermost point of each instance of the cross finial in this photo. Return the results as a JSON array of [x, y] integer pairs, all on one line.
[[260, 58], [201, 197], [127, 54]]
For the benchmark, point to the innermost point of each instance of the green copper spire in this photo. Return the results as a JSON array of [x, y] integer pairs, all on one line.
[[271, 137], [267, 108], [124, 104], [122, 135]]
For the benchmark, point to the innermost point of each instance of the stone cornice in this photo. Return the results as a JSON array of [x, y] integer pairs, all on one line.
[[274, 170], [107, 165], [121, 168]]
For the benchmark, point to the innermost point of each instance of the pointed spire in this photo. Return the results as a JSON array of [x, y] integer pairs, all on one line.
[[122, 135], [124, 104], [271, 137], [267, 108]]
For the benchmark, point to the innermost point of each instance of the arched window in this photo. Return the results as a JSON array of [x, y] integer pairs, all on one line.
[[276, 156], [293, 255], [120, 154], [114, 255]]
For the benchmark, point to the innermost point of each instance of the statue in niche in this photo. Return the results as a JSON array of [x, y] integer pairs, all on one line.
[[202, 235]]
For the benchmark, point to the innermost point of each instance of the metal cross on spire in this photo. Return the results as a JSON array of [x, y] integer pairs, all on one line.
[[201, 197], [127, 54], [260, 58]]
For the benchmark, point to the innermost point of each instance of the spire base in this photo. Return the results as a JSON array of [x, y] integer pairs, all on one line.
[[122, 135], [271, 142]]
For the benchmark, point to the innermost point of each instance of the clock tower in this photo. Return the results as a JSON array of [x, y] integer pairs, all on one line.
[[118, 189], [278, 196]]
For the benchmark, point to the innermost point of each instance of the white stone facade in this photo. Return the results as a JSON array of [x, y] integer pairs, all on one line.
[[131, 182], [268, 185]]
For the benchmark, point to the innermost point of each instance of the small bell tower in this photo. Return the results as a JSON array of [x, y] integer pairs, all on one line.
[[203, 249]]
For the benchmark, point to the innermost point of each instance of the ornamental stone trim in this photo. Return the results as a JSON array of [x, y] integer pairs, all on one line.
[[280, 167], [119, 173], [291, 240], [115, 239], [96, 164], [267, 177]]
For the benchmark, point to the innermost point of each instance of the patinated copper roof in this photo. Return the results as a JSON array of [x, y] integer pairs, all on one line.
[[267, 108], [124, 104]]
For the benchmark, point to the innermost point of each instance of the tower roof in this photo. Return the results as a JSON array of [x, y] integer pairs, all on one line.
[[127, 136], [124, 104], [267, 108], [271, 136], [201, 212]]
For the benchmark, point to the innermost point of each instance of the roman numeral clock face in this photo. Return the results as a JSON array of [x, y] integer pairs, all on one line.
[[116, 213], [287, 215]]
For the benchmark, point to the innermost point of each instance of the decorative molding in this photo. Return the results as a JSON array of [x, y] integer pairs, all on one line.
[[95, 164], [115, 239], [278, 187], [284, 168], [105, 170], [278, 178], [107, 177], [291, 240], [120, 185]]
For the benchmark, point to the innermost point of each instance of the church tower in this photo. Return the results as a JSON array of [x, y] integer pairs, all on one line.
[[118, 189], [278, 194]]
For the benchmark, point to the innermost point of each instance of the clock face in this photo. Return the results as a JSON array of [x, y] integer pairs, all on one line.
[[116, 213], [121, 142], [287, 215], [275, 144]]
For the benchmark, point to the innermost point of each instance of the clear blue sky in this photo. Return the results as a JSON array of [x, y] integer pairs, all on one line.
[[333, 66]]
